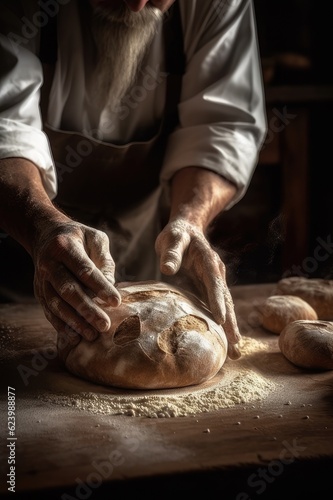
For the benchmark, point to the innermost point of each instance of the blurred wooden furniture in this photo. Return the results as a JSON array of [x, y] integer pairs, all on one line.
[[288, 145]]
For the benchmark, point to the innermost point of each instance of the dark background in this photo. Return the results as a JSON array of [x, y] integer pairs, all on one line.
[[295, 41]]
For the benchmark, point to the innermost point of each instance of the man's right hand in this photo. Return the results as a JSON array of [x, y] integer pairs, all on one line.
[[74, 276], [74, 271]]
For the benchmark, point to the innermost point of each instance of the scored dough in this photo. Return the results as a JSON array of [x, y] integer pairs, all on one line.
[[308, 344], [160, 337], [277, 311], [316, 292]]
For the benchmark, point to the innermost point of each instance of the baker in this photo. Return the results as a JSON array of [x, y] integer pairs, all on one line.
[[126, 127]]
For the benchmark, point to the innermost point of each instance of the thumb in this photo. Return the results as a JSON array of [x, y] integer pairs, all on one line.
[[171, 245]]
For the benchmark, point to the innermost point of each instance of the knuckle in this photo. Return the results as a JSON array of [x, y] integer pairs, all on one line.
[[54, 305], [75, 326], [180, 237], [60, 242], [107, 267], [67, 289], [98, 237], [109, 275], [102, 236], [85, 272], [87, 312], [175, 232]]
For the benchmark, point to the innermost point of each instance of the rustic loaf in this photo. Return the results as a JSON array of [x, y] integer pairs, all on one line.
[[160, 337], [308, 344], [277, 311], [316, 292]]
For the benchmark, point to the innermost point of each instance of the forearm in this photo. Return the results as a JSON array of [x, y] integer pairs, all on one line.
[[24, 204], [198, 195]]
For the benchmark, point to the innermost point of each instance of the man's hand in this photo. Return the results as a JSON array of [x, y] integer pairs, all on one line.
[[197, 197], [183, 246], [74, 271], [74, 275]]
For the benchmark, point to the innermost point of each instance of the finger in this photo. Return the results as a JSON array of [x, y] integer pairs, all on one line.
[[81, 266], [67, 300], [99, 252], [234, 352], [69, 337], [215, 291], [172, 248], [219, 297], [229, 322], [53, 313], [210, 277], [66, 339], [231, 326]]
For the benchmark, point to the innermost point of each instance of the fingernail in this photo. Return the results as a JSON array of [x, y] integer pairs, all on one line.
[[233, 352], [103, 325], [222, 319], [169, 266], [115, 301]]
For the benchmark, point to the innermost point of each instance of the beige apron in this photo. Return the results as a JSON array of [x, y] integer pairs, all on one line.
[[116, 188]]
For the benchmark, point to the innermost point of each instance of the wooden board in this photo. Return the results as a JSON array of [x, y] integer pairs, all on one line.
[[247, 451]]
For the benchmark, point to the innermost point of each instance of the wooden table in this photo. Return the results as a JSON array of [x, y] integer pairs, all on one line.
[[59, 450]]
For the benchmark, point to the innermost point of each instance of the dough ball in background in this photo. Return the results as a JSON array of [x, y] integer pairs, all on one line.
[[308, 344], [316, 292], [277, 311]]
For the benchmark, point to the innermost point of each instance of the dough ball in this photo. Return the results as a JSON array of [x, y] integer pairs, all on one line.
[[277, 311], [160, 337], [308, 344], [316, 292]]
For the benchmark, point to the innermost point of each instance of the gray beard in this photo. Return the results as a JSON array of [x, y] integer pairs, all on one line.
[[122, 38]]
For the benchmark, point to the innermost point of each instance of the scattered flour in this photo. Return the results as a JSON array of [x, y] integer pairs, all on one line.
[[243, 385]]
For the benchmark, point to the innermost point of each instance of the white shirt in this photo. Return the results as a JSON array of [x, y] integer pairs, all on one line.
[[221, 110]]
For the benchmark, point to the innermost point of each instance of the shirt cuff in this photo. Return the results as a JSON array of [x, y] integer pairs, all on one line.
[[18, 140], [231, 154]]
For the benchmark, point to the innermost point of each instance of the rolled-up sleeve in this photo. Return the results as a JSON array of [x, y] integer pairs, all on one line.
[[21, 77], [222, 118]]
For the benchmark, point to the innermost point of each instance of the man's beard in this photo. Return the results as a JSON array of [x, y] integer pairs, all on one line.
[[122, 38]]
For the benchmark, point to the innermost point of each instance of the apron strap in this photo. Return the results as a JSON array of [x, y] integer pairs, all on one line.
[[175, 62], [173, 39], [48, 49]]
